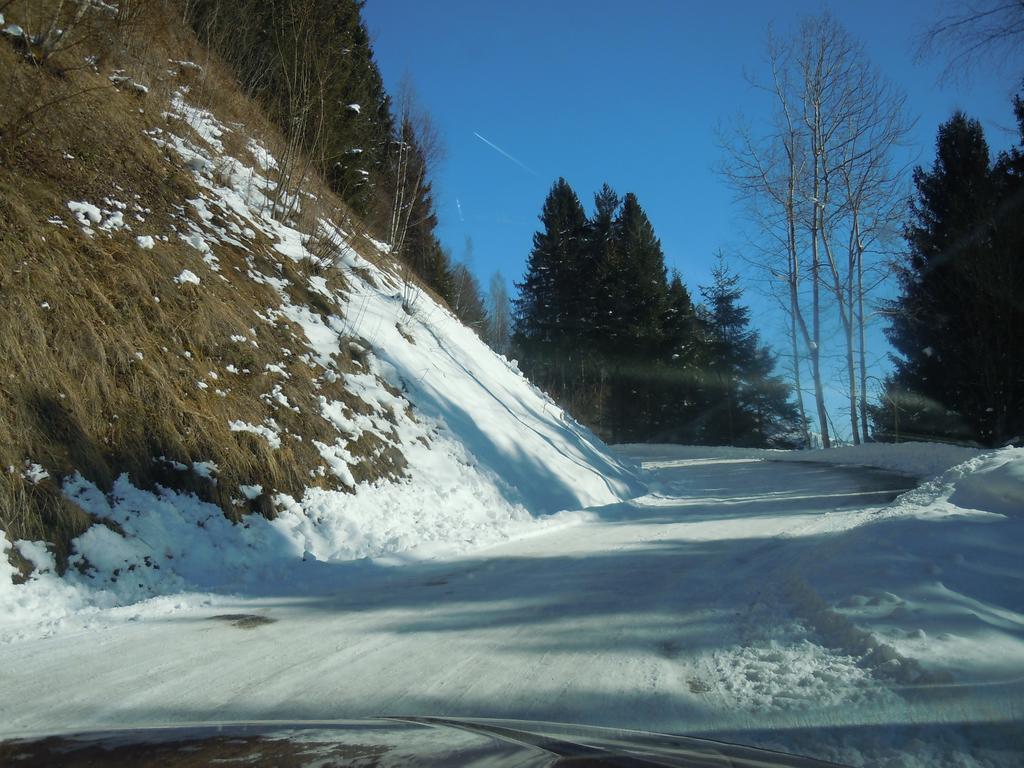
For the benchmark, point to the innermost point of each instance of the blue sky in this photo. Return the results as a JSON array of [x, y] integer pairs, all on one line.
[[631, 94]]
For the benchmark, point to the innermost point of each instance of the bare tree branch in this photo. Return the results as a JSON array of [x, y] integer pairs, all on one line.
[[975, 31]]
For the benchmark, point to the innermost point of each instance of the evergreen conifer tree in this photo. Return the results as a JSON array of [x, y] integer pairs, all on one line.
[[601, 328], [731, 345], [640, 284], [744, 403], [635, 282], [679, 364], [548, 319], [678, 323], [602, 266], [543, 314], [958, 324]]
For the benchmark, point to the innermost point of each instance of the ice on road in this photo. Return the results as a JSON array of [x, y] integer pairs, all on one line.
[[688, 610]]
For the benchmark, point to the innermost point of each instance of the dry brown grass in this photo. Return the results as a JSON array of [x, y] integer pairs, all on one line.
[[77, 311]]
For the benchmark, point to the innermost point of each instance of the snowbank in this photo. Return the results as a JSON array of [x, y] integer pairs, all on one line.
[[938, 576], [956, 480], [993, 483], [921, 460]]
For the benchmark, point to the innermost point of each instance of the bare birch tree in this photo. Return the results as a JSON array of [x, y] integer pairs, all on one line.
[[499, 315], [872, 189], [854, 119], [821, 184], [415, 149], [305, 92], [769, 173]]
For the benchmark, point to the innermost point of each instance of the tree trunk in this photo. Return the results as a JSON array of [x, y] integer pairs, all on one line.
[[815, 345], [819, 400], [844, 304], [796, 380], [794, 298], [861, 351], [851, 374]]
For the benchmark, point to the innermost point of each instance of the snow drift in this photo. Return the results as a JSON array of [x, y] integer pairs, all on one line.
[[937, 577]]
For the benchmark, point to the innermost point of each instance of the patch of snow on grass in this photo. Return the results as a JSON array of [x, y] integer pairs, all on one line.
[[264, 159], [34, 473], [251, 491], [207, 469], [200, 120], [269, 433], [338, 460], [187, 276], [109, 219], [86, 213]]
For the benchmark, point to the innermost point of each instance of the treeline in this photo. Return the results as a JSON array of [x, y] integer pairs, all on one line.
[[958, 322], [827, 197], [310, 65], [601, 326]]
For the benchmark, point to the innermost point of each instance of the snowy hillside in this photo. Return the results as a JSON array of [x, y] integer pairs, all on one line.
[[484, 456]]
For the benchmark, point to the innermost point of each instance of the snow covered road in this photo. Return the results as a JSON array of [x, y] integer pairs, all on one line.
[[693, 609]]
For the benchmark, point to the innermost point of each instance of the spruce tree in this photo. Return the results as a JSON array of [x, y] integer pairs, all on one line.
[[958, 324], [548, 321], [679, 333], [744, 402], [767, 399], [1006, 316], [599, 326], [602, 267], [639, 283], [542, 308], [636, 284], [730, 346], [679, 365]]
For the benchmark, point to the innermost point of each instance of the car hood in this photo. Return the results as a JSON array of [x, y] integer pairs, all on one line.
[[390, 741]]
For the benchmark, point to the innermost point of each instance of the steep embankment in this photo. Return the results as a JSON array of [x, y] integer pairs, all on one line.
[[211, 373]]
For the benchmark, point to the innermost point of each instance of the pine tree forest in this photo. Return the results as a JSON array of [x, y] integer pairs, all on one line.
[[619, 342]]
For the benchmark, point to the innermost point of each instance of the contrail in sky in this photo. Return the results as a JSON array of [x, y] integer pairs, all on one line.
[[498, 149], [458, 205]]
